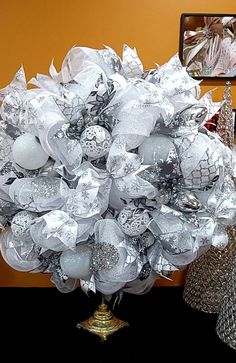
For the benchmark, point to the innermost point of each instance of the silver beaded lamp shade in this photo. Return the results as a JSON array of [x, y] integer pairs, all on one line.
[[207, 276], [226, 323]]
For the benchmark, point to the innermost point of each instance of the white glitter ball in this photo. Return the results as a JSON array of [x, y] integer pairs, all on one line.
[[76, 264]]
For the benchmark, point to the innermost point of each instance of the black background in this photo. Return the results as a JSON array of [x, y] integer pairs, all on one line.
[[39, 324]]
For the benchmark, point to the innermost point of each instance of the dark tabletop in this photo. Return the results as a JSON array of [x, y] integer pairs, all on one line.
[[162, 328]]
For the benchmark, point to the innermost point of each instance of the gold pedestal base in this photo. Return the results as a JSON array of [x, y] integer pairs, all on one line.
[[102, 323]]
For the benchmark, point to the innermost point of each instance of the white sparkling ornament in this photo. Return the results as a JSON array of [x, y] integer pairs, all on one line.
[[21, 222], [132, 221], [76, 264], [28, 153], [155, 148], [95, 141]]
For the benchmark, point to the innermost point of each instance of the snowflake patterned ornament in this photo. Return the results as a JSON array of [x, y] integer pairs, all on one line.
[[119, 182]]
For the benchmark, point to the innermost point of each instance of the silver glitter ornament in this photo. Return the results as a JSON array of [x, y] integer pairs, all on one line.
[[104, 256], [45, 187], [95, 141], [21, 222], [133, 221]]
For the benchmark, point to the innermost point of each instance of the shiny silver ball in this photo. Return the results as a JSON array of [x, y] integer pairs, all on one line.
[[191, 115]]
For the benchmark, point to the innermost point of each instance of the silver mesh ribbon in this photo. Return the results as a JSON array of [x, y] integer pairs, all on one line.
[[207, 277], [226, 323]]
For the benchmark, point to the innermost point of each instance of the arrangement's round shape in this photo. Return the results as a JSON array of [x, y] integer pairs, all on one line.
[[122, 182], [28, 153], [95, 141], [76, 264]]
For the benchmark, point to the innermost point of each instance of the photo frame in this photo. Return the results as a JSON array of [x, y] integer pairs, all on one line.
[[207, 45]]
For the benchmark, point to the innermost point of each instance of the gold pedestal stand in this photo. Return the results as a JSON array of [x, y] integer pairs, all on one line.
[[103, 322]]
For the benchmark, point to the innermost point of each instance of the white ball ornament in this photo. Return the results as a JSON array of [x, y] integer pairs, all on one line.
[[28, 153], [76, 264], [95, 141], [155, 148]]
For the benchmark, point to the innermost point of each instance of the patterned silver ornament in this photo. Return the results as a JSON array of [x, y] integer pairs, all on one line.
[[21, 223], [95, 141], [133, 221], [200, 163]]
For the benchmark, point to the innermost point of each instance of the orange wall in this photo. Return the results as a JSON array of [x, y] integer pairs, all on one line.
[[35, 31]]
